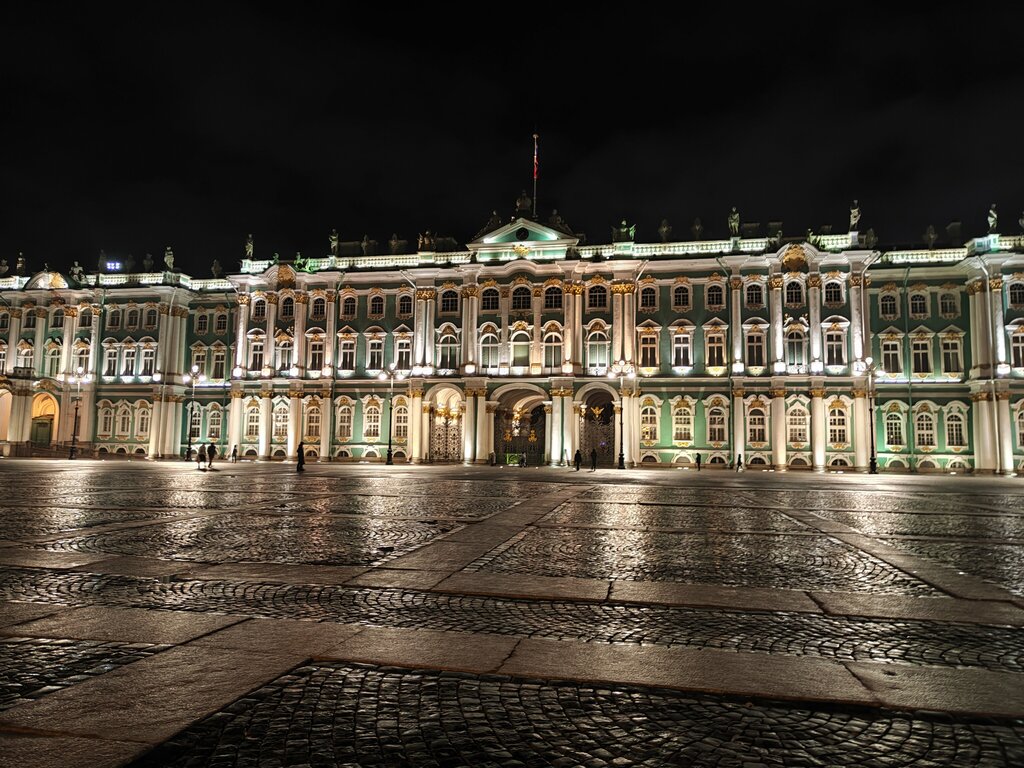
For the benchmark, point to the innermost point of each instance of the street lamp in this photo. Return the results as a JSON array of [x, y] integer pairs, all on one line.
[[623, 371], [391, 375], [79, 377], [194, 377], [872, 370]]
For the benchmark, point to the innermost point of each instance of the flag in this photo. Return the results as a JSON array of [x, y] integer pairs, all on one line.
[[536, 164]]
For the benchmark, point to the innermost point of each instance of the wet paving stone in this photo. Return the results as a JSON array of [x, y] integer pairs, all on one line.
[[403, 506], [741, 560], [354, 715], [236, 537], [17, 522], [1000, 564], [622, 515], [31, 668], [993, 526], [160, 499], [797, 634]]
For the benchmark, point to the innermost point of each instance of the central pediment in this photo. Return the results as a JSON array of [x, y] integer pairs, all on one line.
[[523, 238]]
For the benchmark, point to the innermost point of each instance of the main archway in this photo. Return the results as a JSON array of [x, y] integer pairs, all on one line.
[[520, 425], [444, 436], [597, 424], [44, 419]]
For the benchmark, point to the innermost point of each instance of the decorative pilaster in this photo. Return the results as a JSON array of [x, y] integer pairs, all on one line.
[[294, 422], [555, 427], [299, 343], [154, 426], [39, 361], [236, 420], [856, 323], [331, 342], [818, 427], [778, 396], [270, 350], [998, 332], [814, 304], [863, 430], [739, 432], [775, 283], [617, 323], [1002, 406], [265, 425], [468, 422], [536, 351], [241, 330], [483, 448], [416, 424], [428, 328]]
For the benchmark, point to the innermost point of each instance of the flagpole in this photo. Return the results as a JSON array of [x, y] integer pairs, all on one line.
[[535, 168]]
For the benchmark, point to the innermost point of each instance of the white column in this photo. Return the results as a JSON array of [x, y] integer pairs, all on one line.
[[416, 425], [555, 426], [331, 342], [998, 332], [580, 354], [419, 346], [628, 321], [483, 448], [619, 417], [977, 354], [299, 344], [861, 429], [779, 428], [467, 312], [778, 346], [265, 425], [739, 427], [856, 324], [814, 304], [13, 336], [735, 308], [818, 427], [163, 336], [469, 428], [94, 344], [504, 352], [536, 353], [548, 434], [70, 326], [294, 422], [616, 323], [270, 351], [569, 352], [425, 432], [40, 356], [428, 329], [570, 428], [1005, 432], [236, 420], [154, 426], [241, 329], [326, 426], [173, 425], [21, 415]]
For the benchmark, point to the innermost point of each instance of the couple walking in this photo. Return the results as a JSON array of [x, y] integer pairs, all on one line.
[[578, 459]]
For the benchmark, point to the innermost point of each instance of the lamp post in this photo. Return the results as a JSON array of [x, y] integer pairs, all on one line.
[[77, 379], [872, 371], [391, 375], [623, 371], [194, 377]]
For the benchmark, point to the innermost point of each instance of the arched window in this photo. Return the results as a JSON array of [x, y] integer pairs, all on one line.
[[85, 319], [142, 419], [955, 434], [252, 422], [280, 421], [405, 304], [287, 308], [259, 310], [716, 425], [202, 324], [5, 321], [58, 319], [553, 297], [195, 421], [132, 319], [520, 349], [377, 305], [53, 361], [597, 297], [794, 293], [106, 422], [755, 426], [796, 347], [489, 350], [448, 352], [894, 429], [681, 297], [489, 300], [124, 422], [553, 351], [371, 422], [796, 425], [833, 292], [714, 297], [1016, 294], [348, 307], [887, 306], [948, 304], [213, 424], [918, 304], [649, 422], [313, 422], [837, 426], [152, 317], [113, 319], [597, 349], [450, 302], [755, 295], [401, 422], [682, 425], [344, 428], [1017, 350], [81, 359], [522, 297], [1020, 428], [924, 430], [319, 308], [648, 298], [3, 356]]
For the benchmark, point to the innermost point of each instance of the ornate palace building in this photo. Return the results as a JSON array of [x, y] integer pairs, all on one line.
[[812, 353]]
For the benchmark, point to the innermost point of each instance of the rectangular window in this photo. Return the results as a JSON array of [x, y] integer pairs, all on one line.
[[835, 349], [797, 426], [681, 351], [256, 363], [404, 357], [347, 361], [892, 357], [30, 319], [755, 350], [148, 362], [110, 362], [218, 364], [375, 355], [345, 423], [716, 350], [921, 355], [1017, 351], [648, 351], [129, 362], [252, 423], [199, 359], [951, 356], [316, 356]]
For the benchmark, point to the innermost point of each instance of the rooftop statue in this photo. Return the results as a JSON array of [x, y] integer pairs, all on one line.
[[3, 267], [524, 204], [333, 240], [993, 219], [19, 266], [623, 233], [734, 223], [494, 222], [147, 262], [129, 263], [300, 261], [394, 243], [249, 248], [426, 241], [665, 230], [169, 258], [697, 229], [215, 269], [77, 273], [854, 216]]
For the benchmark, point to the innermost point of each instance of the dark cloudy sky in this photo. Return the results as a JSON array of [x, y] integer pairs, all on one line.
[[193, 128]]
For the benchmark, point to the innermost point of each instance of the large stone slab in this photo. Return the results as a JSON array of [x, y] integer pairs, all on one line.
[[521, 585], [711, 595], [151, 700], [975, 692], [924, 608], [719, 672], [398, 578], [442, 556], [127, 625], [16, 613], [137, 566], [274, 635], [22, 750], [33, 558], [433, 649], [280, 573]]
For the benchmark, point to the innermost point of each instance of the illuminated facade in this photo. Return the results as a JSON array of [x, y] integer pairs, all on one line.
[[791, 354]]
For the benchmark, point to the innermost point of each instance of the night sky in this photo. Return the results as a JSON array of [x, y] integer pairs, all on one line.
[[130, 133]]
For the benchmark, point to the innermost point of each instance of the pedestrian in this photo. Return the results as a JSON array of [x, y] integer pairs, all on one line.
[[200, 456], [739, 462], [300, 458], [211, 454], [593, 459], [234, 455], [522, 460], [698, 462], [577, 460]]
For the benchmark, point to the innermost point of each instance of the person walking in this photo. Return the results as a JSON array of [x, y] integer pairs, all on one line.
[[577, 460], [698, 462], [234, 455], [211, 454], [300, 458], [200, 456], [739, 462], [593, 459]]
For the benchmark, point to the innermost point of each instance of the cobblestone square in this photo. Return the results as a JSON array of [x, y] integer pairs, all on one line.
[[449, 616]]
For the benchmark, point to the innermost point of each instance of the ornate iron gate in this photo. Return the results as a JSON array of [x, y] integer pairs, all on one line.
[[446, 438], [518, 435], [597, 431]]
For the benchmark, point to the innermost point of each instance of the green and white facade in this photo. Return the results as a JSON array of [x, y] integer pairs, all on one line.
[[792, 354]]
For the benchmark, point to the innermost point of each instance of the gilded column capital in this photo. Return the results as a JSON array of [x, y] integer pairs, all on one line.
[[163, 308], [738, 392], [427, 409], [547, 409], [243, 299], [1002, 395], [860, 393], [426, 294], [40, 312], [996, 283], [469, 291], [777, 392], [271, 298], [414, 393], [855, 280], [576, 289], [775, 283], [267, 392], [301, 298], [816, 392], [736, 283], [16, 312], [981, 397], [332, 295], [294, 393], [71, 311], [814, 281], [237, 394]]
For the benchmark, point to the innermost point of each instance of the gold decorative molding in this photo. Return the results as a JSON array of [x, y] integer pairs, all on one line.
[[776, 393], [996, 283], [775, 283], [814, 281], [736, 283], [576, 289], [301, 298], [860, 393], [856, 281], [425, 294], [469, 291], [817, 392]]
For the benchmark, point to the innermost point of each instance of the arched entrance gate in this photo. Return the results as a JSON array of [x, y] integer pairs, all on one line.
[[520, 427], [597, 428]]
